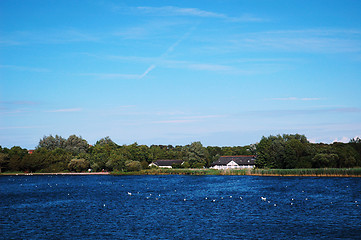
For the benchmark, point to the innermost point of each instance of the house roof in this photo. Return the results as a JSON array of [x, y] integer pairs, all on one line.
[[240, 160], [167, 162]]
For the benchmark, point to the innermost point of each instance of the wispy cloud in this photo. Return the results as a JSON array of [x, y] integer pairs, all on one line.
[[346, 110], [176, 121], [195, 12], [19, 127], [22, 68], [309, 40], [179, 64], [210, 67], [20, 102], [287, 112], [126, 106], [58, 36], [66, 110], [189, 119], [8, 42], [171, 11], [342, 139], [296, 99], [110, 76], [16, 107]]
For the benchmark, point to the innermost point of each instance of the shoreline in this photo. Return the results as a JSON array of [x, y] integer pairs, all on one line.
[[202, 172], [302, 175], [34, 174]]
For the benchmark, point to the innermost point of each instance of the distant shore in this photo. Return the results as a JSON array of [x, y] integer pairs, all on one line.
[[320, 172], [316, 172], [68, 173]]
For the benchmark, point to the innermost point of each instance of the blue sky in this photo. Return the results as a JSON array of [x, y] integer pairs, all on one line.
[[224, 73]]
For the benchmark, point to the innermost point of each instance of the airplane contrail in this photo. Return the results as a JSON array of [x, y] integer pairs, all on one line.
[[167, 52], [147, 71]]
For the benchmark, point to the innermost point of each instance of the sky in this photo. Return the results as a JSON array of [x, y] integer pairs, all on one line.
[[223, 72]]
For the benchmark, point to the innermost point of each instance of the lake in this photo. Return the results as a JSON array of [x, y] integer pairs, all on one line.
[[179, 207]]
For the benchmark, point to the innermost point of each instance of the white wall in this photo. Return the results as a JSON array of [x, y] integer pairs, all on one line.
[[238, 167]]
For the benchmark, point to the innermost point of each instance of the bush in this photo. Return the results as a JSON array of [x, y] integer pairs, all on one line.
[[198, 165], [78, 165], [186, 165], [132, 166]]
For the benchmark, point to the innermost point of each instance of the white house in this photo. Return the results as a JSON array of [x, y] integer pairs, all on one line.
[[234, 162], [165, 163]]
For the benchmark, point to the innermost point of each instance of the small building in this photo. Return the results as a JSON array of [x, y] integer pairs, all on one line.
[[31, 151], [166, 163], [234, 162]]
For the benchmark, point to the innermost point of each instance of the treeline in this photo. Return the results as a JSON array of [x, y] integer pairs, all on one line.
[[294, 151], [57, 154]]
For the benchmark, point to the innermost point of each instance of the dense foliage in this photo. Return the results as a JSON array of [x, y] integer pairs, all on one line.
[[57, 154], [294, 151]]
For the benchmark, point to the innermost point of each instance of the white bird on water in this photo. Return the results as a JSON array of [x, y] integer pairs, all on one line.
[[263, 198], [129, 193]]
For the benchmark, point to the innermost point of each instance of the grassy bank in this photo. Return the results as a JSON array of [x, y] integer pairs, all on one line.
[[312, 172], [169, 171], [317, 172]]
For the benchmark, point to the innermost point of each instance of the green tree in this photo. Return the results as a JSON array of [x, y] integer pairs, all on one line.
[[4, 161], [355, 143], [186, 165], [76, 144], [116, 160], [286, 151], [294, 151], [33, 162], [323, 160], [78, 165], [270, 152], [196, 154], [348, 156], [145, 164], [138, 152], [132, 166], [58, 159], [52, 143], [16, 155], [107, 141]]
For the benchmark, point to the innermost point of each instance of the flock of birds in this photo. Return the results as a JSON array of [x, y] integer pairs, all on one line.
[[184, 199], [211, 199], [262, 199]]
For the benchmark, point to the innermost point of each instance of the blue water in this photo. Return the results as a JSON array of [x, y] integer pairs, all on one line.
[[179, 207]]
